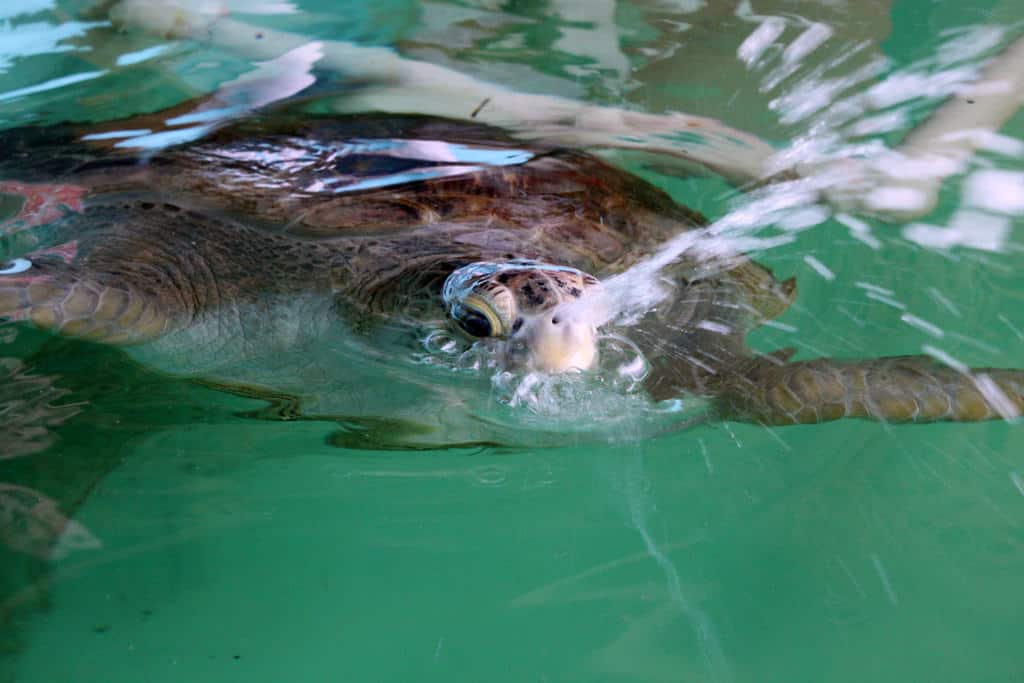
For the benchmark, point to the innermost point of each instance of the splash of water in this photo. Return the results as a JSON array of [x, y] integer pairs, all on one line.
[[620, 373], [615, 384], [607, 402], [839, 157]]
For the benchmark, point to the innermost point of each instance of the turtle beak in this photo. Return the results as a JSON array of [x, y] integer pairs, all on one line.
[[552, 342]]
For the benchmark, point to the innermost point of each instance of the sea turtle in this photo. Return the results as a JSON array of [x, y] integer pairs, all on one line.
[[264, 231]]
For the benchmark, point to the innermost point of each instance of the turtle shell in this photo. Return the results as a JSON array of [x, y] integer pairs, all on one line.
[[324, 178]]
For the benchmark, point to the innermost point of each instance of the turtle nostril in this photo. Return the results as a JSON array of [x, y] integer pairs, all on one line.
[[555, 320]]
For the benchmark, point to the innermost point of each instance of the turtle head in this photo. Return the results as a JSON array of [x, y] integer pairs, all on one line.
[[524, 304]]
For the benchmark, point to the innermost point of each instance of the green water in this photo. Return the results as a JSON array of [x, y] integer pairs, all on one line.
[[240, 548]]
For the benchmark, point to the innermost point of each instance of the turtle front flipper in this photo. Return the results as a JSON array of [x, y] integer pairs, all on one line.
[[123, 272], [892, 389], [47, 289], [130, 270]]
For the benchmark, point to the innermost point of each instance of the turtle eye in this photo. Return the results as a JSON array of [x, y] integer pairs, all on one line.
[[475, 323]]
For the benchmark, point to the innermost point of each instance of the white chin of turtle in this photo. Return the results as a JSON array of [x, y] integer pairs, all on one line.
[[564, 339]]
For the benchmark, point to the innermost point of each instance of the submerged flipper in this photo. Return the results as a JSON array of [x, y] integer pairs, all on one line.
[[53, 290], [893, 389]]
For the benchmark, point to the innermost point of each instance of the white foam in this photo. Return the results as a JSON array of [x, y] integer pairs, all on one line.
[[969, 43], [898, 199], [880, 123], [764, 36], [813, 37], [804, 217], [910, 85], [996, 190], [967, 228], [988, 141]]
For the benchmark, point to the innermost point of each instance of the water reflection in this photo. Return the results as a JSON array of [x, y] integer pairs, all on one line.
[[27, 39], [32, 523], [30, 408], [270, 81]]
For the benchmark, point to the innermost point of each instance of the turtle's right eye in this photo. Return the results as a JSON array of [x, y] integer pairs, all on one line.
[[475, 323]]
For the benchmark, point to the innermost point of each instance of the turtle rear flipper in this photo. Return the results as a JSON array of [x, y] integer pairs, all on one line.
[[892, 389]]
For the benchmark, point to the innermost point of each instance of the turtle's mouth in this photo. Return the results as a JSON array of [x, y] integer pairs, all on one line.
[[560, 340]]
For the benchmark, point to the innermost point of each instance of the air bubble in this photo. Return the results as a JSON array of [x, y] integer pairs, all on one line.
[[441, 342], [490, 475]]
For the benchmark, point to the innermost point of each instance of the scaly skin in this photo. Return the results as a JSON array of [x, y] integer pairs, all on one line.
[[140, 269], [894, 389]]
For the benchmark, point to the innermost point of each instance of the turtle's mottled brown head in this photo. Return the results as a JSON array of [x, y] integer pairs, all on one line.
[[523, 303]]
